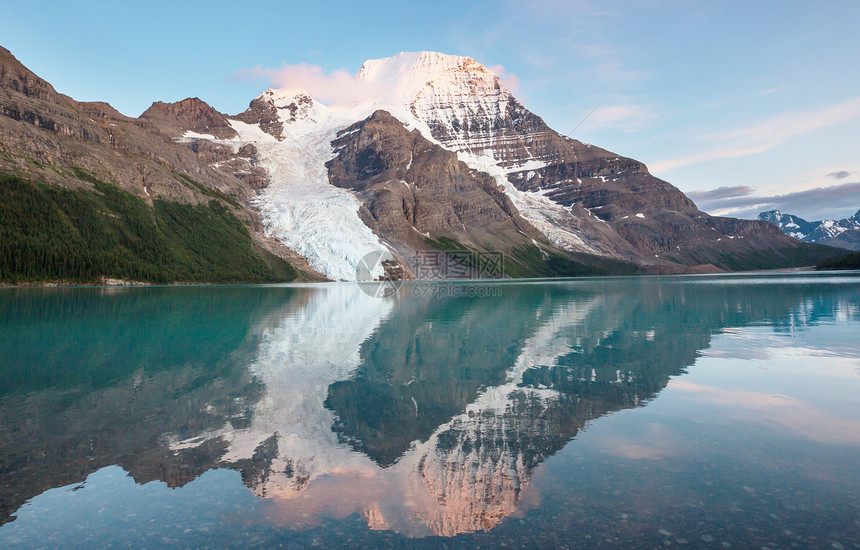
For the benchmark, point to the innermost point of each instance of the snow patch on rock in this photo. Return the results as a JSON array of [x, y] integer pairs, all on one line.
[[546, 215]]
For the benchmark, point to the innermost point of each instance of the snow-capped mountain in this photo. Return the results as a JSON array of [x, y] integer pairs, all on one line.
[[344, 181], [844, 233]]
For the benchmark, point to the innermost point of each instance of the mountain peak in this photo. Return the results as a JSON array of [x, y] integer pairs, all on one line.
[[15, 76], [285, 95], [274, 108], [190, 114], [426, 65], [402, 76]]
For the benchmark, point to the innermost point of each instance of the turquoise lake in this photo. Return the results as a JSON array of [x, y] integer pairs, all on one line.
[[700, 411]]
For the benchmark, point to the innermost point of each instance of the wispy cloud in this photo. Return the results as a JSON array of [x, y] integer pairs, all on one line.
[[829, 202], [577, 41], [721, 193], [626, 117], [840, 175], [765, 135]]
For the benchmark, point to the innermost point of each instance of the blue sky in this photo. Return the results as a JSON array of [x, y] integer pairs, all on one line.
[[743, 105]]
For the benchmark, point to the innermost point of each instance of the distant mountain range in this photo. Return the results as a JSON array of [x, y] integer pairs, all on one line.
[[434, 155], [844, 233]]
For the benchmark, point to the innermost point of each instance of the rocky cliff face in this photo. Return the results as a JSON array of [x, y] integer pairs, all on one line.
[[844, 233], [272, 109], [415, 190], [467, 109], [194, 123]]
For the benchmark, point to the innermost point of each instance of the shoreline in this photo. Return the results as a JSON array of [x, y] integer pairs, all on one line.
[[119, 283]]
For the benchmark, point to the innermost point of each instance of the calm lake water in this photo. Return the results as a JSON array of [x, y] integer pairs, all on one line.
[[633, 412]]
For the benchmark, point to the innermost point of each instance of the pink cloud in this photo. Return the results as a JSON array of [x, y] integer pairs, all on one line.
[[778, 409], [335, 88], [509, 81]]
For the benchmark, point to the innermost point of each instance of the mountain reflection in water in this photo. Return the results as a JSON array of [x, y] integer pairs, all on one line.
[[425, 415]]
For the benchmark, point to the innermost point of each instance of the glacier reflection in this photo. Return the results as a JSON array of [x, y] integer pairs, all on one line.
[[289, 452]]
